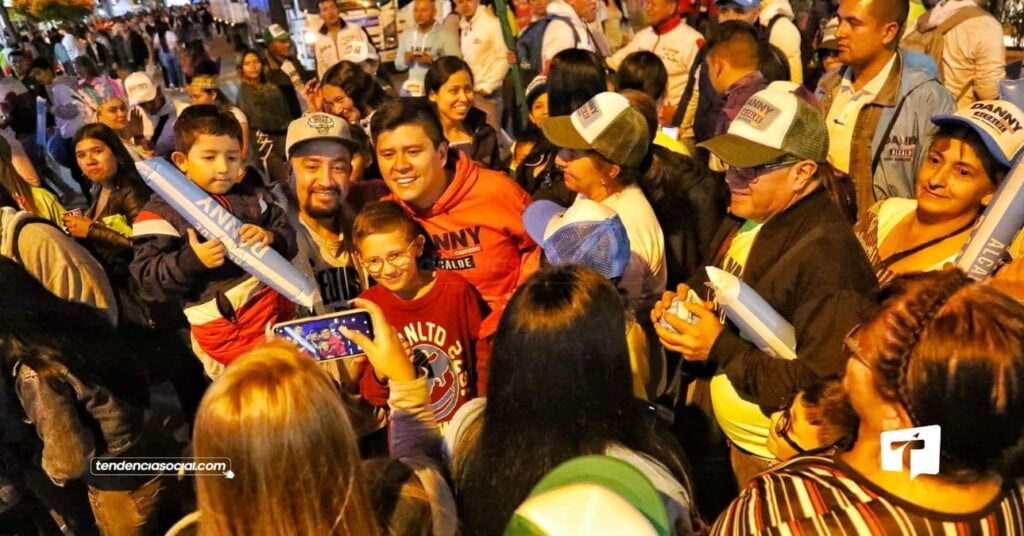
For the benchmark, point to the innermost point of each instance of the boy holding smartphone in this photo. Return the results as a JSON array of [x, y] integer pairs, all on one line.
[[437, 312]]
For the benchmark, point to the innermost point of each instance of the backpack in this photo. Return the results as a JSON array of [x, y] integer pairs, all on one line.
[[531, 42], [931, 42]]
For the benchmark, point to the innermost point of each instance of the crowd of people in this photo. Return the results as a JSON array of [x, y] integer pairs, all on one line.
[[545, 352]]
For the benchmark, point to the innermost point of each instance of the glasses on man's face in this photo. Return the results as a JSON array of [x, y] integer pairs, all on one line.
[[784, 426], [399, 260], [751, 175]]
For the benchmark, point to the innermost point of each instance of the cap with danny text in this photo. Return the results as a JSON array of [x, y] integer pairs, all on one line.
[[773, 124], [318, 126], [606, 124], [1000, 124], [140, 88]]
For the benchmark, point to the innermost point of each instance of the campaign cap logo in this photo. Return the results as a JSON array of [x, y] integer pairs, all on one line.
[[756, 111], [322, 123], [588, 113], [996, 116], [923, 442]]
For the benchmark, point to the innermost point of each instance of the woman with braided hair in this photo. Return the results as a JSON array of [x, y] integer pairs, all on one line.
[[940, 350]]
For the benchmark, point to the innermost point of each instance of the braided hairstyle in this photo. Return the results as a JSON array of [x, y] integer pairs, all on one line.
[[952, 353]]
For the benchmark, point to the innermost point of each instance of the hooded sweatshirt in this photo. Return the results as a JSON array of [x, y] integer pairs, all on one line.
[[477, 227], [784, 35]]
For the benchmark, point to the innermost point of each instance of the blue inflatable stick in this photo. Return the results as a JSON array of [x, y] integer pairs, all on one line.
[[1001, 221], [756, 319], [41, 123], [214, 221]]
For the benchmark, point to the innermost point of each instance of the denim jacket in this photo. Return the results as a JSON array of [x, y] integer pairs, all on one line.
[[907, 101], [76, 421]]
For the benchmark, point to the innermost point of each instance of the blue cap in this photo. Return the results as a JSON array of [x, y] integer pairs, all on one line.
[[745, 4], [587, 233]]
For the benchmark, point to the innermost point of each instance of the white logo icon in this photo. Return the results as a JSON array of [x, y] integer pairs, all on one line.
[[924, 444]]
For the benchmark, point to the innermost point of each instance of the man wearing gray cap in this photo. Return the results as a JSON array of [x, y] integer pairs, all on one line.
[[790, 243]]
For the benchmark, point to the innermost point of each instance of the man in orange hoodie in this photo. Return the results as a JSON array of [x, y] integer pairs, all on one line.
[[473, 215]]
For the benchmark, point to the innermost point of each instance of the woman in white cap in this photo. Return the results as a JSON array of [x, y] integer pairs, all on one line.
[[968, 159]]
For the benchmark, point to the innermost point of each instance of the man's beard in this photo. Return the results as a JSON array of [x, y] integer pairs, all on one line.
[[328, 210]]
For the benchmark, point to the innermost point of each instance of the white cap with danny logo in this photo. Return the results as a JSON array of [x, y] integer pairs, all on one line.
[[1000, 124]]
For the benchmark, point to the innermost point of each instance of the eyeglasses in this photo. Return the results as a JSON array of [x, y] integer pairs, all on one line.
[[853, 349], [784, 426], [751, 175], [397, 260]]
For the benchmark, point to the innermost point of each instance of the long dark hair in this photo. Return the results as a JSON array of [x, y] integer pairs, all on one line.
[[951, 352], [263, 64], [48, 335], [559, 388], [365, 91], [575, 76], [127, 175]]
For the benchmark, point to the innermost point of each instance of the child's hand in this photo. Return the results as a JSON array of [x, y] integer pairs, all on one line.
[[386, 351], [254, 234], [211, 253]]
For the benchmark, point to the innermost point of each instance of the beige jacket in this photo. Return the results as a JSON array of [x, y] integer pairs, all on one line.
[[974, 60]]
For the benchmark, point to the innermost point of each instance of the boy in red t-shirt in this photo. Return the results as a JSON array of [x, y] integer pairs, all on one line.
[[437, 312]]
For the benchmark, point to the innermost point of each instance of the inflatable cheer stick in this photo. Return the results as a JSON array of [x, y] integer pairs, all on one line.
[[756, 319], [41, 123], [214, 221], [1000, 222]]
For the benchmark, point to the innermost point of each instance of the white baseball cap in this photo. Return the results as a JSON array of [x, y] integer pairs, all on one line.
[[999, 123], [775, 122], [606, 124], [318, 126], [140, 88]]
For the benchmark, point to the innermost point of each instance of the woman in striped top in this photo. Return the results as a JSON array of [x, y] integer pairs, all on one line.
[[943, 351]]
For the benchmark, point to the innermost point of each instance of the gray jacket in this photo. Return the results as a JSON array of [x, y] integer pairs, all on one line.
[[892, 134]]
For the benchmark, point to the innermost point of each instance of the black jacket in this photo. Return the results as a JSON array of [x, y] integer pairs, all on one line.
[[808, 265], [485, 140], [113, 249]]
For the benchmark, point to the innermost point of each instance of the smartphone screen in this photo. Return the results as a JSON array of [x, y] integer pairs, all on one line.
[[672, 132], [320, 337]]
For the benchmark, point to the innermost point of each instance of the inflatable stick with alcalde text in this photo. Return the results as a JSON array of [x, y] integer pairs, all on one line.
[[758, 320]]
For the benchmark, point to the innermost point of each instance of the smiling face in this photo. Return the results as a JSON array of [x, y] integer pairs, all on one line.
[[337, 102], [322, 171], [113, 113], [412, 167], [214, 163], [454, 98], [96, 160], [952, 181], [395, 255]]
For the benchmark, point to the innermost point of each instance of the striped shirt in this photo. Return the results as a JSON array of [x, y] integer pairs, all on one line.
[[824, 495]]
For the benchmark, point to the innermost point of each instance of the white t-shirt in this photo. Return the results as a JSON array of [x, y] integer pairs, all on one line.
[[646, 274], [846, 107]]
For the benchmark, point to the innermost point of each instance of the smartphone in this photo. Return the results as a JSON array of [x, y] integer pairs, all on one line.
[[679, 310], [76, 212], [672, 132], [320, 337]]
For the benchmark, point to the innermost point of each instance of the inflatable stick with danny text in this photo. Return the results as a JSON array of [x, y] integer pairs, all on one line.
[[214, 221]]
